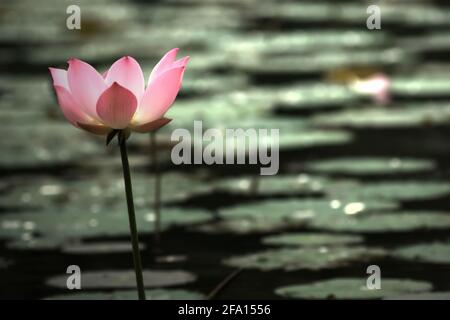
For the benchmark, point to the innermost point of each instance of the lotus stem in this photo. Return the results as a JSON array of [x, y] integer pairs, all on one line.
[[254, 185], [225, 282], [157, 193], [131, 215]]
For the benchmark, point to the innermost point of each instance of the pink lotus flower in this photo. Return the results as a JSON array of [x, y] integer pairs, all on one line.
[[118, 99]]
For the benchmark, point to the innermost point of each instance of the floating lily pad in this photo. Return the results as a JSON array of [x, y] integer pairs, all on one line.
[[15, 100], [383, 222], [125, 279], [371, 166], [311, 239], [351, 13], [246, 226], [352, 288], [309, 138], [70, 224], [215, 111], [302, 184], [428, 87], [287, 138], [318, 61], [99, 247], [105, 192], [24, 29], [280, 215], [206, 61], [433, 252], [315, 97], [311, 12], [104, 31], [423, 296], [47, 146], [178, 187], [19, 118], [28, 242], [403, 190], [207, 17], [300, 210], [280, 122], [271, 43], [201, 84], [310, 258], [157, 294], [303, 96], [395, 117], [417, 43]]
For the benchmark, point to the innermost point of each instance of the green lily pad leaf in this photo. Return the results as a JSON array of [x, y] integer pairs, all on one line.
[[279, 215], [105, 192], [16, 101], [49, 147], [311, 258], [201, 84], [99, 247], [221, 109], [433, 252], [125, 279], [302, 96], [352, 13], [421, 86], [403, 190], [383, 222], [352, 288], [157, 294], [152, 43], [371, 166], [179, 187], [282, 123], [97, 21], [311, 239], [302, 184], [23, 117], [395, 117], [291, 134], [205, 17], [407, 190], [246, 226], [206, 60], [423, 296], [309, 138], [29, 242], [315, 97], [270, 43], [290, 139], [70, 224], [300, 210], [317, 61]]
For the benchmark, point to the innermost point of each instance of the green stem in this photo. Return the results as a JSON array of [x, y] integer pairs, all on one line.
[[225, 282], [131, 215], [157, 194], [254, 185]]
